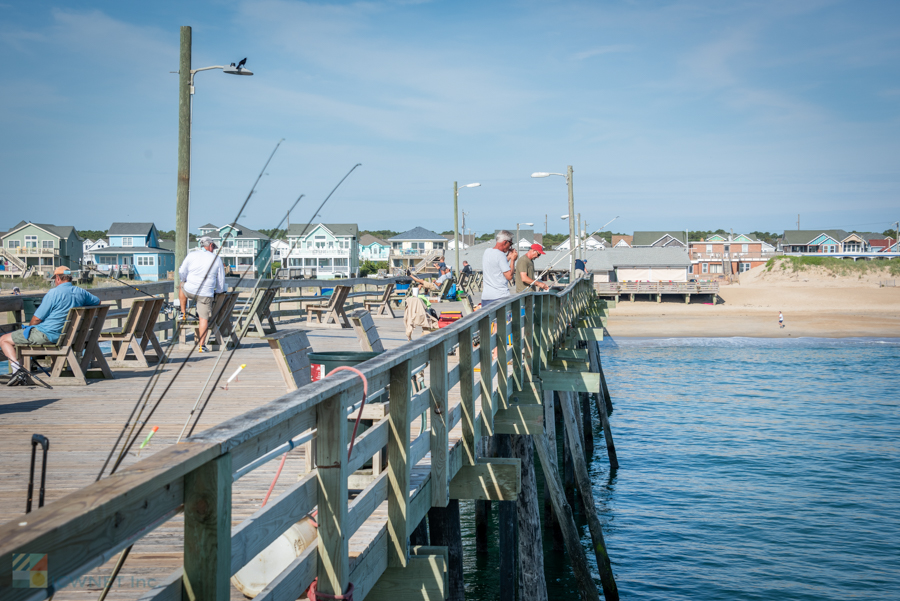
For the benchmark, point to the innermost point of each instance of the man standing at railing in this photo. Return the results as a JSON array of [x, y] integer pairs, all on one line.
[[48, 321], [525, 270], [202, 277], [498, 266]]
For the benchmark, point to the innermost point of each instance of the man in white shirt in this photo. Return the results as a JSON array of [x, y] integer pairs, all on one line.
[[498, 267], [202, 277]]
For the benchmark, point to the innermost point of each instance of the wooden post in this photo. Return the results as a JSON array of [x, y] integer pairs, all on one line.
[[594, 358], [445, 532], [507, 527], [467, 396], [517, 344], [207, 530], [486, 359], [610, 592], [571, 535], [568, 465], [502, 360], [532, 583], [438, 387], [588, 423], [482, 508], [419, 536], [331, 457], [398, 466], [530, 338]]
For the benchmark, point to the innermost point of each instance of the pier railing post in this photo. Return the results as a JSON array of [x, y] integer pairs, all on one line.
[[467, 396], [502, 360], [517, 343], [438, 388], [398, 466], [331, 457], [529, 339], [486, 359], [207, 530]]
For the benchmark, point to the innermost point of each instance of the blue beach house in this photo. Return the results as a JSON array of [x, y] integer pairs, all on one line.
[[134, 248]]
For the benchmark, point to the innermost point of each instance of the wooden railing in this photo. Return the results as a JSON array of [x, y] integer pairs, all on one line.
[[656, 287], [88, 527]]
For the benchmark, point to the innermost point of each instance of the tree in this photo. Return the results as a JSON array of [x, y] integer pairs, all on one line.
[[383, 234], [92, 234]]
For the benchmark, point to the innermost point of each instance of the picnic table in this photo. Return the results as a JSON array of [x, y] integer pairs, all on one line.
[[331, 314], [129, 342]]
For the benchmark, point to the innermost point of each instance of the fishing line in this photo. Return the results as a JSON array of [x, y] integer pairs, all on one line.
[[573, 249]]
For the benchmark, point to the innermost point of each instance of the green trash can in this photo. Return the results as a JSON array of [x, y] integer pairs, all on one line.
[[322, 363], [30, 305]]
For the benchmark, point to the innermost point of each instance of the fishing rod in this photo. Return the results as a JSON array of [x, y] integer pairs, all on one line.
[[231, 355], [151, 383], [571, 250]]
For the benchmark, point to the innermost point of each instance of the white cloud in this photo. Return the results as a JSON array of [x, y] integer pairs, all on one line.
[[601, 50]]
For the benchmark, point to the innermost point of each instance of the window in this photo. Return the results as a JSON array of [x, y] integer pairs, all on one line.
[[245, 243], [745, 248], [295, 262], [127, 241], [705, 267], [12, 244], [324, 262], [245, 260], [47, 244], [396, 245], [439, 245], [30, 241], [320, 241], [709, 248], [310, 262], [715, 268], [342, 262], [744, 267], [145, 260]]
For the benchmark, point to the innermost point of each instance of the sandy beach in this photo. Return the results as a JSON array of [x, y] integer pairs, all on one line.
[[814, 304]]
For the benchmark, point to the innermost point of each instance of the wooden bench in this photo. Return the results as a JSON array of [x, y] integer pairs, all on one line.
[[441, 292], [258, 316], [382, 306], [136, 334], [221, 326], [331, 314], [369, 339], [78, 347], [291, 349]]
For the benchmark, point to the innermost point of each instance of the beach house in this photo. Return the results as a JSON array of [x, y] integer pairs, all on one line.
[[592, 243], [41, 246], [659, 239], [324, 250], [414, 246], [372, 248], [842, 244], [90, 250], [723, 255], [134, 250], [621, 241], [243, 250]]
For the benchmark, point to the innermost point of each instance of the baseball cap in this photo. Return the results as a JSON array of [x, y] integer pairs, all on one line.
[[206, 241], [62, 270], [538, 248]]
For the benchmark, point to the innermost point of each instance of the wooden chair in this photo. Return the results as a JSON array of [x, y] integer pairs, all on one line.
[[331, 314], [438, 296], [258, 315], [78, 347], [401, 296], [135, 335], [221, 326], [382, 307]]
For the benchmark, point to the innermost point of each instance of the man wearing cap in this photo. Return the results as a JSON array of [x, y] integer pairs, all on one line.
[[525, 269], [48, 321], [580, 268], [497, 267], [202, 277]]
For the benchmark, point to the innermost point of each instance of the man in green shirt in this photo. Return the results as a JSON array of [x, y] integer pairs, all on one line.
[[525, 269]]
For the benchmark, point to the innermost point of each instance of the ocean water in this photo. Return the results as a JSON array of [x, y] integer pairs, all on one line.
[[750, 469]]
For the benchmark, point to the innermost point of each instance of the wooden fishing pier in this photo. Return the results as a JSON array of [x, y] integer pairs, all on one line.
[[192, 510], [657, 290]]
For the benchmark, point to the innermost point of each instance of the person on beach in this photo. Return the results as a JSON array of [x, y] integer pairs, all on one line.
[[48, 321], [202, 277], [525, 269], [498, 266], [780, 319]]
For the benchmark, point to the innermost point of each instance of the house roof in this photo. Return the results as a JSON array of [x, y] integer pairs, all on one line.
[[135, 249], [417, 233], [368, 239], [166, 244], [338, 229], [649, 238], [129, 229], [244, 232], [807, 236], [597, 260], [208, 226], [60, 231], [616, 239]]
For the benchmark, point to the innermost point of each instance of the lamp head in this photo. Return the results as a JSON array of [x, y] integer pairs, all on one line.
[[526, 224], [238, 69], [540, 174], [564, 217], [475, 185]]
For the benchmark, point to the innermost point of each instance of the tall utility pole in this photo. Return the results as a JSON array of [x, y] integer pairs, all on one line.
[[798, 222], [456, 229], [545, 224], [578, 237], [184, 152], [571, 224]]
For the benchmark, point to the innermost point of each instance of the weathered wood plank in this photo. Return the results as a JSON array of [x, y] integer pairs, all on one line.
[[331, 458], [207, 529], [484, 351], [398, 466], [520, 419], [570, 381], [439, 389]]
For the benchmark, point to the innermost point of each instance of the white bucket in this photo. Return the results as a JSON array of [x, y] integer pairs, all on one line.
[[274, 559]]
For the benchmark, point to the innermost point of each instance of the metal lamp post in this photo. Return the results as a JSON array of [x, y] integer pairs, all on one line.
[[456, 190], [568, 176], [185, 102]]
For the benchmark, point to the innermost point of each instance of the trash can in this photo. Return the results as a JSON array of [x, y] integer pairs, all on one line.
[[30, 305], [322, 363]]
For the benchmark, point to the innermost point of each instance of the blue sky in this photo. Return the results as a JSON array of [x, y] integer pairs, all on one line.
[[674, 114]]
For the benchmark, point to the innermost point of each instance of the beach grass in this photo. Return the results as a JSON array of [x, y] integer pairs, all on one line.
[[840, 267]]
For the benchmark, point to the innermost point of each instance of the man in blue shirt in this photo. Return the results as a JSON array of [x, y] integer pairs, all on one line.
[[47, 323]]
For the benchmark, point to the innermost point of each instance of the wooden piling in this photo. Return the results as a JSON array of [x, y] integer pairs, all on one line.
[[507, 525], [532, 582], [443, 522], [550, 431], [594, 357], [587, 423], [419, 536], [482, 508], [610, 592]]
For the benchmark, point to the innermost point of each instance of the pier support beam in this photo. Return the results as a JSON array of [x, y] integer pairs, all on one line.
[[445, 532], [532, 582]]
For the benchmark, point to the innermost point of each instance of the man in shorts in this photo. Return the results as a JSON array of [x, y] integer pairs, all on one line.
[[48, 321], [202, 277]]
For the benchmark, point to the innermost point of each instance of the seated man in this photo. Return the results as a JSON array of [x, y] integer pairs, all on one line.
[[47, 323], [436, 285]]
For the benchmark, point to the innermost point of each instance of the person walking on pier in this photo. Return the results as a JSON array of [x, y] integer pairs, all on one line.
[[48, 321], [780, 319], [525, 269], [202, 277], [498, 266]]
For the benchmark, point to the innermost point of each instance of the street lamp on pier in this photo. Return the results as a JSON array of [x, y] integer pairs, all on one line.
[[568, 176], [456, 190]]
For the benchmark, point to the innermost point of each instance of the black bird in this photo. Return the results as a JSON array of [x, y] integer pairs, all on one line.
[[242, 63]]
